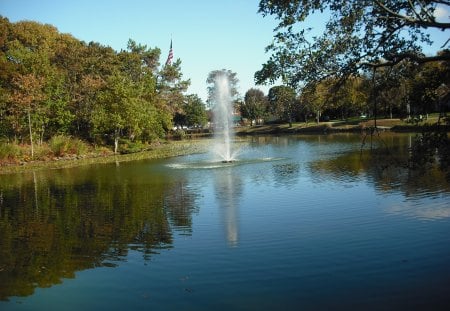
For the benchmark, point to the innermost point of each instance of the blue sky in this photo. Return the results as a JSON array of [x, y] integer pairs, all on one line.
[[207, 34]]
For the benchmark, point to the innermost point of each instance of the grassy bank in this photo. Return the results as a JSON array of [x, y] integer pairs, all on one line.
[[352, 125], [156, 151]]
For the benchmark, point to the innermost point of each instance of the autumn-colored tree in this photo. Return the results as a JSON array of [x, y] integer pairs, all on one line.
[[25, 101]]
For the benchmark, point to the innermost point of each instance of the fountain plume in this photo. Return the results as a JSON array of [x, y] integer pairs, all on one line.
[[223, 118]]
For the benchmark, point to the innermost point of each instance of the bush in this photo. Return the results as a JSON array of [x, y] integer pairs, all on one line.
[[59, 145], [41, 152], [79, 147], [62, 145], [9, 151], [128, 146], [179, 134]]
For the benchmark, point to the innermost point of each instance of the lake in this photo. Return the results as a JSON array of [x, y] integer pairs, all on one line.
[[296, 223]]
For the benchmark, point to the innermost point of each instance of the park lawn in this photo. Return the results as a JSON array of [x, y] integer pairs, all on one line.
[[354, 124]]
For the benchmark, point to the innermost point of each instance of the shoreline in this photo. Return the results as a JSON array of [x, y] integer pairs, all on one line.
[[338, 127], [198, 144], [164, 150]]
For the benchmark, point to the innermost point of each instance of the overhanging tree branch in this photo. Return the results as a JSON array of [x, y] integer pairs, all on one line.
[[358, 35], [410, 56], [419, 21]]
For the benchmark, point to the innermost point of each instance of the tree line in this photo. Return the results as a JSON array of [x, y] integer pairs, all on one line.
[[368, 61], [407, 91], [54, 84], [368, 52]]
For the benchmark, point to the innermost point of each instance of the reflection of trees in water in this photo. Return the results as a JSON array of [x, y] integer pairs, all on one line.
[[388, 170], [179, 203], [52, 225], [228, 188]]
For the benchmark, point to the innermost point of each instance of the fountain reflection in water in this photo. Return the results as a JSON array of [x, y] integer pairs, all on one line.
[[223, 119], [228, 190]]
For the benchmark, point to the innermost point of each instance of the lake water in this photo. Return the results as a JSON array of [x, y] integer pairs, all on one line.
[[297, 223]]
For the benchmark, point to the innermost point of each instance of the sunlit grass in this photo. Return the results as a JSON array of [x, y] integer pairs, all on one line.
[[352, 124]]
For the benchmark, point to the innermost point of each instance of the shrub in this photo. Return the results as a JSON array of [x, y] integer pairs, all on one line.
[[9, 151], [179, 134], [128, 146], [41, 152], [61, 145], [78, 147]]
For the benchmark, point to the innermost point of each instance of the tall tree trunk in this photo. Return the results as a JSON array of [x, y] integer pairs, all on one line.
[[31, 133], [116, 141], [41, 136], [408, 111]]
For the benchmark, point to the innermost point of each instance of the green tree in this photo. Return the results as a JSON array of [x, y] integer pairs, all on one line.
[[59, 115], [195, 111], [388, 91], [426, 87], [155, 92], [345, 98], [358, 91], [27, 98], [171, 87], [315, 97], [117, 109], [254, 106], [90, 66], [282, 103]]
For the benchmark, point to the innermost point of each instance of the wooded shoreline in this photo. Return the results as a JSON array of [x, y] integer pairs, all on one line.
[[198, 143]]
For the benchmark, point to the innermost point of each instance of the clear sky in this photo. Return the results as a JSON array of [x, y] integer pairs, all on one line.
[[207, 34]]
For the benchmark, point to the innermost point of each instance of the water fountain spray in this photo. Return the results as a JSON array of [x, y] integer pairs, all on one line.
[[223, 118]]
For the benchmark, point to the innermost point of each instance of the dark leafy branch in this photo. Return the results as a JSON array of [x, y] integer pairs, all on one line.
[[358, 34]]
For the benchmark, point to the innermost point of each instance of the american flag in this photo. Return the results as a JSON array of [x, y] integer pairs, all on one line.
[[170, 57]]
